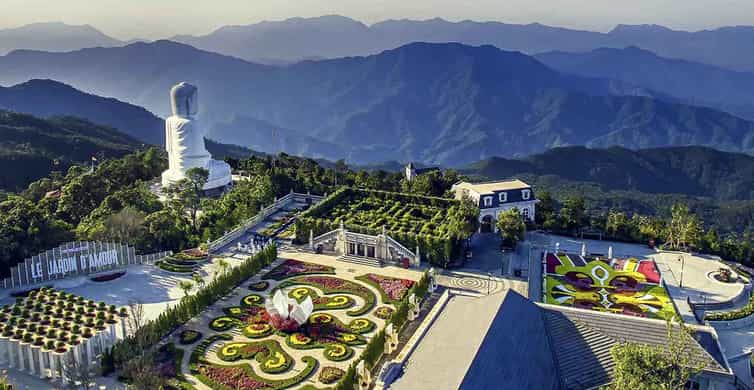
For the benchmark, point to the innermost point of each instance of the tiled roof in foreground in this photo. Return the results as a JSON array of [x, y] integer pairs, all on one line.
[[540, 346]]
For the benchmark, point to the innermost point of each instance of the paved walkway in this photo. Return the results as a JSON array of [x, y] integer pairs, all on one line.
[[442, 358]]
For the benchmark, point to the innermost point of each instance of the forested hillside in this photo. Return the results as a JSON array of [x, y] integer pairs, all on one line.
[[31, 148]]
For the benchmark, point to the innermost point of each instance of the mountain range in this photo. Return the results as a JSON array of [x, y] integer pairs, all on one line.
[[447, 104], [691, 82], [53, 36], [48, 98], [689, 170], [336, 36]]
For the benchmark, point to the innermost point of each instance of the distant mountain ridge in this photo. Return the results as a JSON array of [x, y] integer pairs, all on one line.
[[691, 170], [48, 98], [446, 104], [336, 36], [54, 36], [690, 82]]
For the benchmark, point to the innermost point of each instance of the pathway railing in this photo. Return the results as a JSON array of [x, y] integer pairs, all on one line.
[[239, 231]]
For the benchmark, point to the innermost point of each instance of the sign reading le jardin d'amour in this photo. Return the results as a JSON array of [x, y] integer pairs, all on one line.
[[74, 259]]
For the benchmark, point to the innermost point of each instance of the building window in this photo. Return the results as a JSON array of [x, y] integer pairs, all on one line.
[[525, 194], [503, 197], [525, 213], [370, 251], [488, 201]]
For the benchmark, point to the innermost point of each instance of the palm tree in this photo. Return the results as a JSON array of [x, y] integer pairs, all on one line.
[[198, 280], [223, 266], [186, 286]]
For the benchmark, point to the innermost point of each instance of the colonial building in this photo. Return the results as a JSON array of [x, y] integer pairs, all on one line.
[[497, 196]]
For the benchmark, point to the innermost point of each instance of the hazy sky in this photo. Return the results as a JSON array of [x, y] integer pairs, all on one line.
[[126, 19]]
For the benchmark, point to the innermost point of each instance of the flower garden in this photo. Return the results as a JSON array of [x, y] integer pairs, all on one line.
[[412, 220], [248, 347], [623, 286]]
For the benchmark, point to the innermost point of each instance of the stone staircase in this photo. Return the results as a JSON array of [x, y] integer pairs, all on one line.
[[361, 260]]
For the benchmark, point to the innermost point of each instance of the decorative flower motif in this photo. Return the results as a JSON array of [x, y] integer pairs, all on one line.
[[321, 318], [300, 292], [336, 301], [299, 339]]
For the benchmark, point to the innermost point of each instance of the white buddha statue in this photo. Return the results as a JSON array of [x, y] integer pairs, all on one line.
[[184, 141]]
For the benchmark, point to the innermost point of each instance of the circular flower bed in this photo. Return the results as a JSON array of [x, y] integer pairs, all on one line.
[[221, 324], [189, 336], [361, 325], [330, 375], [383, 312], [235, 311], [252, 300], [259, 286], [256, 331], [337, 352]]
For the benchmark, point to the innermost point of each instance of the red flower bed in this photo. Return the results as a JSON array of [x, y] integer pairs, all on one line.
[[232, 377], [108, 277], [294, 267], [394, 288]]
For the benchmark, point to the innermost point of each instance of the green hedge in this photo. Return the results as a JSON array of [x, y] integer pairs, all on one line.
[[437, 249], [733, 314], [190, 306]]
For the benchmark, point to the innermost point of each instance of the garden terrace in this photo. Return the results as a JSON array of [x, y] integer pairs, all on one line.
[[623, 286], [247, 347], [413, 220]]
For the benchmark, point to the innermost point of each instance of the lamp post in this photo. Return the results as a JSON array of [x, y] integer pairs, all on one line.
[[683, 263], [489, 281]]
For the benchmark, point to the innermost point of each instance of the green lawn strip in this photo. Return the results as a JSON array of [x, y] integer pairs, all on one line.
[[348, 287], [268, 353], [306, 372]]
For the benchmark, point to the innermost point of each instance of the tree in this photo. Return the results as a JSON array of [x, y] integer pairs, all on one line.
[[573, 214], [684, 229], [643, 367], [186, 194], [80, 374], [4, 385], [511, 226], [465, 221], [126, 225], [144, 373], [198, 280], [545, 209], [223, 266], [186, 286]]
